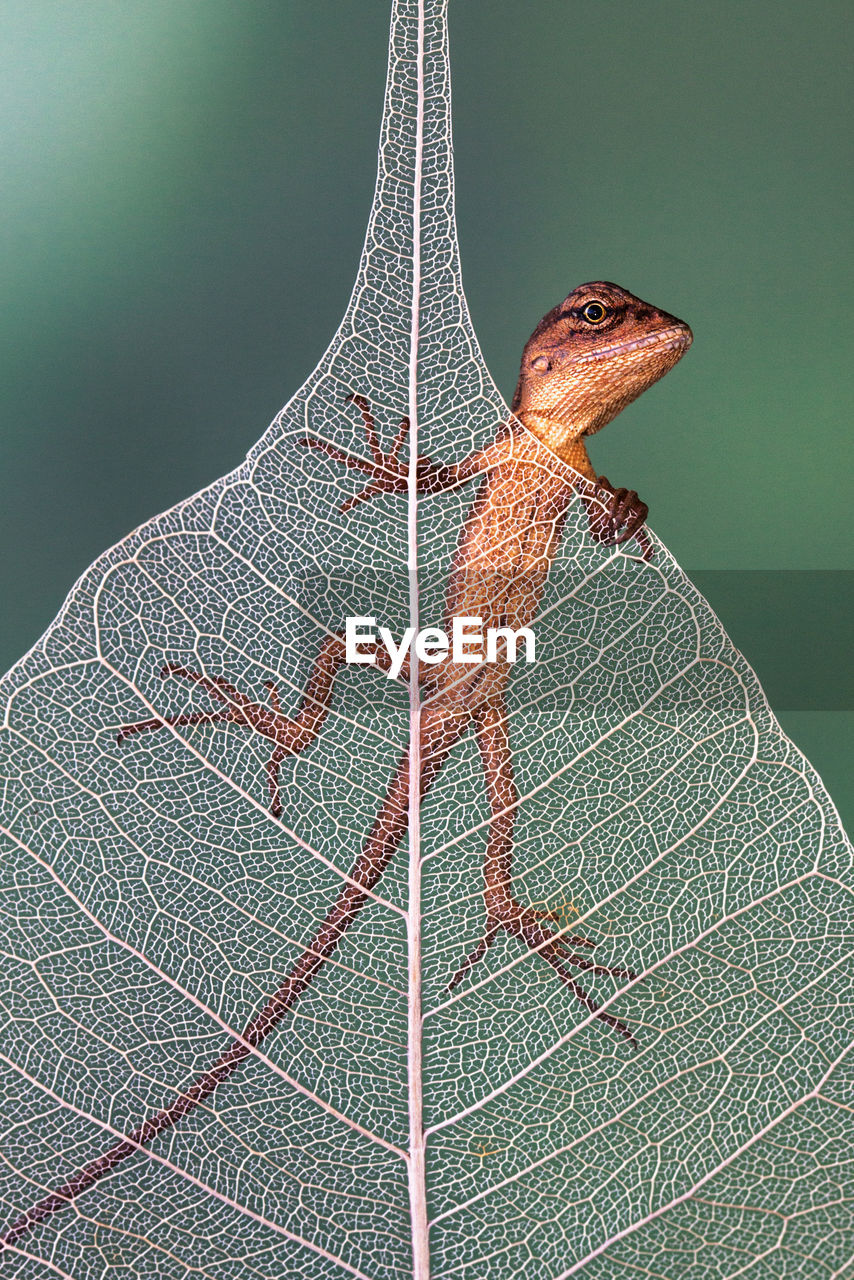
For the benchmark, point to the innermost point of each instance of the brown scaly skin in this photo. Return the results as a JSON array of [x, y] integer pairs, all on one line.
[[585, 361]]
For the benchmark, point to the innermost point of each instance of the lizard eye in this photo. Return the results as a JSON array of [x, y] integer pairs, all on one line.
[[594, 312]]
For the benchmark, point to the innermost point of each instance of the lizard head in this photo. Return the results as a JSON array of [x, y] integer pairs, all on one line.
[[590, 357]]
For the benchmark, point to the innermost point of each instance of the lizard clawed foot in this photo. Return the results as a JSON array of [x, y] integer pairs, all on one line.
[[387, 472], [524, 923], [196, 717], [623, 516]]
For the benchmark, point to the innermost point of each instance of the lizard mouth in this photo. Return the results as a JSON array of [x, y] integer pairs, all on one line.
[[674, 337]]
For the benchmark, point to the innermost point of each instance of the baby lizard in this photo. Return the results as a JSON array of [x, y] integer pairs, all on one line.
[[585, 361]]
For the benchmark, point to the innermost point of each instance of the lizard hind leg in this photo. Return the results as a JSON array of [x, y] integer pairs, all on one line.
[[502, 910], [291, 736]]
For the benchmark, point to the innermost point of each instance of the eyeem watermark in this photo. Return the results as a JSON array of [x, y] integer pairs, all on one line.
[[468, 643]]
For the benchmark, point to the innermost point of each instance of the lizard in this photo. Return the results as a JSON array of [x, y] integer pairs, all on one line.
[[587, 359]]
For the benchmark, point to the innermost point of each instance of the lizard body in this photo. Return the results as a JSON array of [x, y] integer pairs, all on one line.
[[588, 358]]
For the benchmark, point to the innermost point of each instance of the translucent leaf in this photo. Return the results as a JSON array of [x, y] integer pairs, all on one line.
[[153, 903]]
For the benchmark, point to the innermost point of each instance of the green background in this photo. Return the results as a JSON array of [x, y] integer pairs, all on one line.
[[186, 186]]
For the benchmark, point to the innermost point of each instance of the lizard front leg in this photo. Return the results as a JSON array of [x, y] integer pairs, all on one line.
[[615, 515], [502, 909]]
